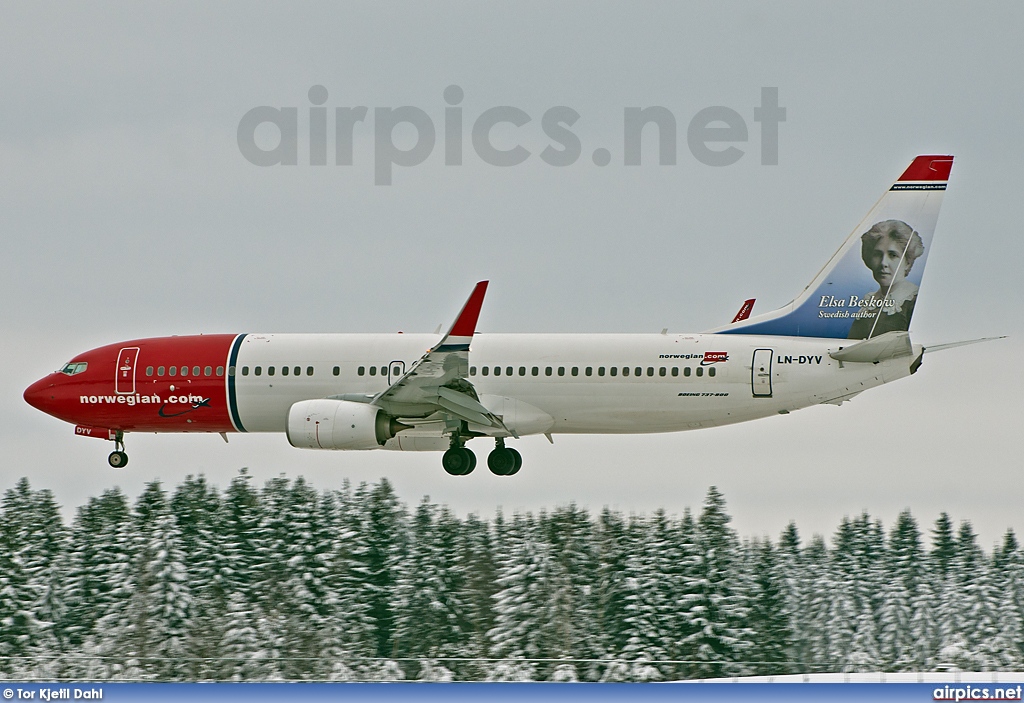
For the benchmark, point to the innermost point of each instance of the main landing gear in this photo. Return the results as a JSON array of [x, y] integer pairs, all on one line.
[[502, 461], [458, 461], [118, 458]]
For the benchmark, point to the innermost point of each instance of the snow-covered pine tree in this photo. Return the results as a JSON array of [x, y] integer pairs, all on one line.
[[943, 546], [610, 589], [479, 589], [199, 517], [32, 542], [646, 600], [98, 582], [352, 640], [795, 584], [386, 532], [159, 607], [573, 609], [769, 615], [816, 634], [715, 604], [924, 628], [520, 631], [428, 606], [306, 604]]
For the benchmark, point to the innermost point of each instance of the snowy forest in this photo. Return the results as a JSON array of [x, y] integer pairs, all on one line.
[[285, 582]]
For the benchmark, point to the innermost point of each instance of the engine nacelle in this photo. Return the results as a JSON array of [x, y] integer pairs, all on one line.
[[339, 424]]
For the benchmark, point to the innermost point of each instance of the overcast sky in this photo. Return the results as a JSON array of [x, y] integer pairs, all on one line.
[[127, 210]]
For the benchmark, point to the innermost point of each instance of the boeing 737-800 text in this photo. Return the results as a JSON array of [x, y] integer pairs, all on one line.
[[848, 331]]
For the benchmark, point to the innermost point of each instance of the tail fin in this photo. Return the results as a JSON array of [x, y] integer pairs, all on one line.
[[870, 285]]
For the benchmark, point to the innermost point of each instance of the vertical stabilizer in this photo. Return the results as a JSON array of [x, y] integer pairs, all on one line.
[[870, 286]]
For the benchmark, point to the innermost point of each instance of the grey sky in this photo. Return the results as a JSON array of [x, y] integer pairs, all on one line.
[[126, 210]]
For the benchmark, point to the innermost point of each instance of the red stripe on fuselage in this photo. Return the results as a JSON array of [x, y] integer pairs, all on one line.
[[185, 402]]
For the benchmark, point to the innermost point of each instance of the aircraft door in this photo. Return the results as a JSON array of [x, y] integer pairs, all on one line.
[[396, 369], [761, 373], [124, 379]]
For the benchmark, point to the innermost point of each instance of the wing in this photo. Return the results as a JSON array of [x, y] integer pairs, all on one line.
[[439, 381]]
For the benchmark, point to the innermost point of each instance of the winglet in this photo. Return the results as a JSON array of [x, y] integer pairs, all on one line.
[[461, 333], [745, 309]]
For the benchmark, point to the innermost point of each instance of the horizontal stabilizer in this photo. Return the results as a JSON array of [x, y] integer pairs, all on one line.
[[953, 345], [886, 346]]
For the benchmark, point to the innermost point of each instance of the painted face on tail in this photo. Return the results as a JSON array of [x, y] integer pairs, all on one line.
[[887, 261]]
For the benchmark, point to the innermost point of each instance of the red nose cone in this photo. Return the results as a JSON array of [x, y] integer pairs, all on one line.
[[40, 394]]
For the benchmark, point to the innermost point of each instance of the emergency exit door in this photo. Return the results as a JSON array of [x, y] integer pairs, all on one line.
[[761, 373], [396, 369]]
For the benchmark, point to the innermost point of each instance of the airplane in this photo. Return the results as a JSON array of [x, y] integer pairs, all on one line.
[[846, 332]]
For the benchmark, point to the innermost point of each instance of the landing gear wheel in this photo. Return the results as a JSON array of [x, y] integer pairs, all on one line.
[[519, 462], [501, 461], [118, 460], [458, 461]]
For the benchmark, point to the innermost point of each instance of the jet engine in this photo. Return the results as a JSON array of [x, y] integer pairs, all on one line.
[[339, 424]]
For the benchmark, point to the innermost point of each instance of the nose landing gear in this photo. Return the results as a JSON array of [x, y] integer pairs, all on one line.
[[118, 458]]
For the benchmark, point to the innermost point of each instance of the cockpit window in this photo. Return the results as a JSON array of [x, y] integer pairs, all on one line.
[[75, 367]]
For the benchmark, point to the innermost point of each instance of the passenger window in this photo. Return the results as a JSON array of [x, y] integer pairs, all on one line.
[[220, 370], [686, 371], [661, 371], [547, 371], [360, 371], [184, 371], [522, 370], [195, 370], [638, 371], [561, 370], [258, 370], [534, 371], [614, 370], [160, 370], [472, 371], [245, 370], [711, 371], [575, 371], [497, 370], [625, 370], [284, 370], [600, 371], [650, 370], [484, 370], [208, 371], [149, 370], [309, 370], [297, 371], [700, 371], [508, 371], [373, 370], [271, 370], [383, 370], [589, 371], [337, 370], [675, 370], [231, 371], [396, 371]]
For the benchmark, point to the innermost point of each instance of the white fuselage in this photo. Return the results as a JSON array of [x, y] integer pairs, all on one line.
[[564, 383]]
